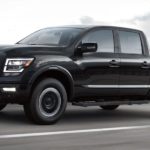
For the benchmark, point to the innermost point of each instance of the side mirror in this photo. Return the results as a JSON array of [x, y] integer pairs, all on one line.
[[87, 47]]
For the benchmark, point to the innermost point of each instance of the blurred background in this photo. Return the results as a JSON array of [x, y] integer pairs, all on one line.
[[18, 18]]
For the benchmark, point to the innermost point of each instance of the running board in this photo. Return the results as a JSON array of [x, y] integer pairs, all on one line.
[[93, 103]]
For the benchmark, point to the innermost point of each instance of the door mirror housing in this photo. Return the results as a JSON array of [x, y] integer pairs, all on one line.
[[88, 47]]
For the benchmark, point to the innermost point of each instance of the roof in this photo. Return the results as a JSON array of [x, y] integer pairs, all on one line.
[[96, 26]]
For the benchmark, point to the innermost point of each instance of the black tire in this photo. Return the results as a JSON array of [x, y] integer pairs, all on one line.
[[2, 106], [109, 107], [48, 102]]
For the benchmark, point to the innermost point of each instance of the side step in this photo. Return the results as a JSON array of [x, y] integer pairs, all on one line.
[[94, 103]]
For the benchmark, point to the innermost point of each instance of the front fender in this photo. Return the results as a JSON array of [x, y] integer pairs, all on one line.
[[61, 69]]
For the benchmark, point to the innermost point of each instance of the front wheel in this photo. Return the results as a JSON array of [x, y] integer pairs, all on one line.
[[2, 106], [48, 102], [109, 107]]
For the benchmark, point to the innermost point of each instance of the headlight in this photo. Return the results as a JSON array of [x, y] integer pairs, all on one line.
[[17, 64]]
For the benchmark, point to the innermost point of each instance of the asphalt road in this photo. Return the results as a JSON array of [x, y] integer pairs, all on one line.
[[108, 137]]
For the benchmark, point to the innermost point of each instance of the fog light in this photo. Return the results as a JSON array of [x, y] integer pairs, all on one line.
[[11, 89]]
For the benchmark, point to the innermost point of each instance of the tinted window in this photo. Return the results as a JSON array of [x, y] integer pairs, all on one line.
[[104, 39], [52, 36], [130, 42]]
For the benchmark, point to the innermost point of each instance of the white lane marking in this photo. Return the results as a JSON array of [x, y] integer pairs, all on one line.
[[71, 132]]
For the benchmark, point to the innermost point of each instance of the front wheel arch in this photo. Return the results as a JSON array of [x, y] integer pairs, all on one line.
[[56, 72]]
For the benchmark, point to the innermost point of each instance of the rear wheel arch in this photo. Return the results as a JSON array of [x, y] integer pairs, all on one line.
[[56, 72]]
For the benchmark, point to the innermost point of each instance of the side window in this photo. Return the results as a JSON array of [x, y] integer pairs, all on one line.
[[104, 39], [130, 42]]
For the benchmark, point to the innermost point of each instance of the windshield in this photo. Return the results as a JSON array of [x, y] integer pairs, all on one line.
[[52, 36]]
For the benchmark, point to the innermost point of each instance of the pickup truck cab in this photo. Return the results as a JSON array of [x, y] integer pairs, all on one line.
[[85, 65]]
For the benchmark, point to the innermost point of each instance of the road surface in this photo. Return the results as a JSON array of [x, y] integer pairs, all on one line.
[[91, 128]]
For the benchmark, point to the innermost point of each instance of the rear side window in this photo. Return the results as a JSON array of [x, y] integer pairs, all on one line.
[[104, 39], [130, 42]]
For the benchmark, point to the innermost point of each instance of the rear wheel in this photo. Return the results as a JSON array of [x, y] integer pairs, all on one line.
[[109, 107], [2, 106], [48, 102]]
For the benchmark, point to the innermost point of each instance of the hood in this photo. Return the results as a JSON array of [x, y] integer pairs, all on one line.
[[20, 49]]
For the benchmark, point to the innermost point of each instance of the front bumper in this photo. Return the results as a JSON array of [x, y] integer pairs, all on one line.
[[14, 93]]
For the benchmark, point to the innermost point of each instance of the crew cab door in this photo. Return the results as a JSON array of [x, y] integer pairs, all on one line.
[[99, 70], [134, 65]]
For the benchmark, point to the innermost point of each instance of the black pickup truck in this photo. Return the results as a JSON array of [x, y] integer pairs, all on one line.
[[86, 65]]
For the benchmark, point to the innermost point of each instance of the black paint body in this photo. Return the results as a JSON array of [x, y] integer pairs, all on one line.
[[111, 74]]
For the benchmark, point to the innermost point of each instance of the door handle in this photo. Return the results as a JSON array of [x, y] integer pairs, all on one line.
[[145, 65], [113, 63]]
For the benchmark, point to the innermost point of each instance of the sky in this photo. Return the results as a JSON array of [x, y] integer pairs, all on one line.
[[18, 18]]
